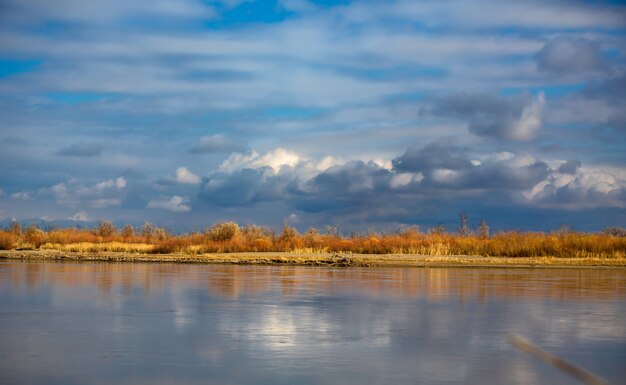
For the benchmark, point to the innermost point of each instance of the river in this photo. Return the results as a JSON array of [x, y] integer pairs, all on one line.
[[155, 323]]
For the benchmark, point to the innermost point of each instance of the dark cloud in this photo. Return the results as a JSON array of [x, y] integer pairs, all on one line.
[[245, 187], [445, 165], [218, 144], [81, 149], [512, 118], [442, 154], [353, 186], [568, 55], [570, 167], [612, 92]]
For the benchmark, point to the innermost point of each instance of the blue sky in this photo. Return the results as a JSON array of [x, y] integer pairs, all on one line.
[[352, 113]]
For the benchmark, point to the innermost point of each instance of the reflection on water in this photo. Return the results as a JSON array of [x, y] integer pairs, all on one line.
[[76, 323]]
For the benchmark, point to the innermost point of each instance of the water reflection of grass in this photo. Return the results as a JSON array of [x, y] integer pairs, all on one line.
[[228, 281]]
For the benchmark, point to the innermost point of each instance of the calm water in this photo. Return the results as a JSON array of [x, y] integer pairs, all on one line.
[[103, 323]]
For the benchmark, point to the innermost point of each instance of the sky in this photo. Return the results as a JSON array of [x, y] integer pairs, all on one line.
[[360, 114]]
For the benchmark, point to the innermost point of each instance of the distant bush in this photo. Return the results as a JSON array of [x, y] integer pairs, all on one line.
[[34, 236], [7, 240], [615, 231], [222, 232]]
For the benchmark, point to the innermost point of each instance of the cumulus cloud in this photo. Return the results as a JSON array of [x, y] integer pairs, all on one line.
[[81, 149], [443, 164], [246, 186], [516, 118], [183, 175], [174, 204], [275, 160], [102, 194], [438, 172], [218, 144], [589, 188], [568, 55], [569, 167]]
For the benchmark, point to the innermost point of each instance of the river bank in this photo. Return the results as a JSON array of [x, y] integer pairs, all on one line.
[[318, 259]]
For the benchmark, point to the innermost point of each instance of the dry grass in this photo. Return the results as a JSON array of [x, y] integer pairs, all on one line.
[[230, 238], [89, 247]]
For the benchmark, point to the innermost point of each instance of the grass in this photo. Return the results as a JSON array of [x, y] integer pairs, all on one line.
[[230, 238]]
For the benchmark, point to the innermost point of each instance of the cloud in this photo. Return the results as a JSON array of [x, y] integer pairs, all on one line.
[[33, 11], [246, 186], [442, 154], [80, 216], [444, 165], [106, 193], [589, 188], [218, 144], [516, 118], [275, 160], [569, 55], [183, 175], [81, 149], [430, 178], [569, 167], [22, 195], [354, 186], [174, 204]]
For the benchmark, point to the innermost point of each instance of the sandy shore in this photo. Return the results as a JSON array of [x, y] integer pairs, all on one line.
[[329, 259]]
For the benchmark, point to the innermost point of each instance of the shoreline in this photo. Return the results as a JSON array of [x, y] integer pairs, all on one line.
[[320, 259]]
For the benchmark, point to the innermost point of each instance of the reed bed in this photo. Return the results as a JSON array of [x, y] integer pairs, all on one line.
[[229, 237]]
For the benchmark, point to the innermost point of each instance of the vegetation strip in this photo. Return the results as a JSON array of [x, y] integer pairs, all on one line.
[[227, 242], [318, 259]]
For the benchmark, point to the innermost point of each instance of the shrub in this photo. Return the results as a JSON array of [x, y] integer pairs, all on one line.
[[615, 231], [222, 232], [127, 232], [7, 240], [34, 235], [105, 229]]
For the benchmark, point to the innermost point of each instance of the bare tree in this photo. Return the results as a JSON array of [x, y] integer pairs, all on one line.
[[483, 229], [15, 229], [105, 229], [464, 224], [128, 232]]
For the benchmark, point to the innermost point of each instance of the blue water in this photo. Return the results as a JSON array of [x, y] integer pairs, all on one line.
[[112, 323]]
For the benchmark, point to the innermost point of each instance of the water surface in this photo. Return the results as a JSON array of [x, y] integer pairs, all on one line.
[[132, 323]]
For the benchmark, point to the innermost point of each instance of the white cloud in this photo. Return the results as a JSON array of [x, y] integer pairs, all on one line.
[[110, 183], [529, 124], [174, 204], [183, 175], [589, 188], [79, 216], [275, 159], [444, 175], [102, 194], [404, 179], [22, 195]]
